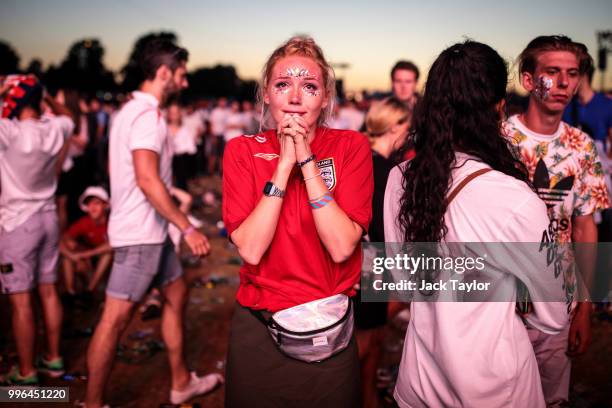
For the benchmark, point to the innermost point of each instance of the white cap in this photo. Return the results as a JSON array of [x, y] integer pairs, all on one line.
[[92, 191]]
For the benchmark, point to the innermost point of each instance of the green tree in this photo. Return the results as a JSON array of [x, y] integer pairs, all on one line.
[[9, 59], [82, 69]]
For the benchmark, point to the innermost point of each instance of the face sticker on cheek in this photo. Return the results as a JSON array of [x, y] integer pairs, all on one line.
[[542, 87]]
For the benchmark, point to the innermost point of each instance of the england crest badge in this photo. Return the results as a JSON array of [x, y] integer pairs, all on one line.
[[328, 172]]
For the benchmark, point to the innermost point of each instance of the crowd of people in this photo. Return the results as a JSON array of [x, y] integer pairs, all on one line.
[[100, 190]]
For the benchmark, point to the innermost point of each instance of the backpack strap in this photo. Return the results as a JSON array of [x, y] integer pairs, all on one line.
[[464, 182]]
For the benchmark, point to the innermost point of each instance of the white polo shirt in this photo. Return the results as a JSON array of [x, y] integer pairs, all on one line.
[[138, 125], [28, 154]]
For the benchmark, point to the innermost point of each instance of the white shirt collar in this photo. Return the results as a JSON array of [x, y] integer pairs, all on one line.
[[146, 97], [538, 136]]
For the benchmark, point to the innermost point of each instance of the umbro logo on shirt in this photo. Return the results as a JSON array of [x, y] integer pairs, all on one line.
[[551, 195], [267, 156]]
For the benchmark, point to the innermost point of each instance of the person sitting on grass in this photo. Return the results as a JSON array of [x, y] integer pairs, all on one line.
[[85, 242]]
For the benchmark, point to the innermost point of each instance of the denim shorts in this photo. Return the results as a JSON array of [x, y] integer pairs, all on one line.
[[137, 268]]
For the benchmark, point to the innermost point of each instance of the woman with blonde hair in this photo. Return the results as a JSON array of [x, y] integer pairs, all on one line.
[[387, 123], [296, 202]]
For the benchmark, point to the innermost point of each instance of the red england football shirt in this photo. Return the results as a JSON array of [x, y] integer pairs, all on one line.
[[297, 268]]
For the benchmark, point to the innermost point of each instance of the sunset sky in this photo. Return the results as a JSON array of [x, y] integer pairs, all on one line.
[[368, 35]]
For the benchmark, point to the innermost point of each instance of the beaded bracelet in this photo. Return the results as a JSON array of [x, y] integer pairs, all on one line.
[[303, 163], [322, 201]]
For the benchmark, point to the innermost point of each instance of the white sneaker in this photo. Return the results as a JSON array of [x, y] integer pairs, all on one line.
[[197, 386]]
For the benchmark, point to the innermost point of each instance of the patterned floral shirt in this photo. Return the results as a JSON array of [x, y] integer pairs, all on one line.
[[567, 174]]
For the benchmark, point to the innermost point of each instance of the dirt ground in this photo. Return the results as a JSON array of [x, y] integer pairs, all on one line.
[[140, 374]]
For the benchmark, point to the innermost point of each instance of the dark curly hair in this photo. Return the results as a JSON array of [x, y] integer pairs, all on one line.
[[458, 113]]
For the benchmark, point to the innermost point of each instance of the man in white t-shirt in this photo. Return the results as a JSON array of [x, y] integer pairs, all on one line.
[[218, 119], [234, 123], [183, 131], [29, 229], [567, 174], [141, 207], [251, 125]]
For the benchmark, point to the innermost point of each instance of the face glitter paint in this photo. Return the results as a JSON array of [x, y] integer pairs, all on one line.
[[542, 88], [296, 87], [297, 72], [311, 91], [281, 88]]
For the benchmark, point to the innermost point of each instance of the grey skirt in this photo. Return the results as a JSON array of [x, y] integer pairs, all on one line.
[[259, 375]]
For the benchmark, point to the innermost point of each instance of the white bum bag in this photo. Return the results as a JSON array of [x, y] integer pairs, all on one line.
[[313, 331]]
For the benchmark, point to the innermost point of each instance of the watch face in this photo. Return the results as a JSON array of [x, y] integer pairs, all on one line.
[[268, 188]]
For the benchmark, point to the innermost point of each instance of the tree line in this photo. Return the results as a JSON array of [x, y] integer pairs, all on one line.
[[83, 70]]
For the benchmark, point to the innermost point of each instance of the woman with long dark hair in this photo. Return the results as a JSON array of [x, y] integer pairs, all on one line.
[[466, 185]]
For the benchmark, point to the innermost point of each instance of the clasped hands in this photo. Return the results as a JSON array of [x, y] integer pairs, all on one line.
[[292, 133]]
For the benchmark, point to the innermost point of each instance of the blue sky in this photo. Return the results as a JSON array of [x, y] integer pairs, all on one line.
[[368, 35]]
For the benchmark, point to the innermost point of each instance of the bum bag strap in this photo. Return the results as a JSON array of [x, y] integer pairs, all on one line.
[[463, 183], [260, 316]]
